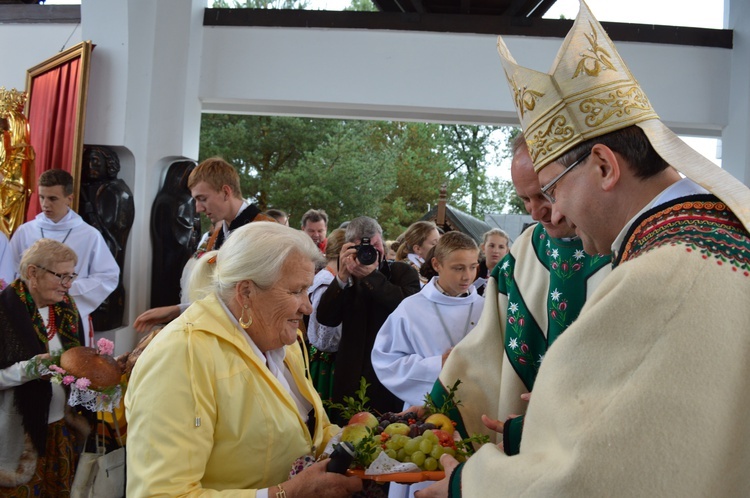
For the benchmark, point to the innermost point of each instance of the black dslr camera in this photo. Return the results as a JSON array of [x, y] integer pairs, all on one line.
[[366, 253]]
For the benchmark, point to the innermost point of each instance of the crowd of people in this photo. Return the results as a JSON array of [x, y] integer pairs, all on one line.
[[593, 351]]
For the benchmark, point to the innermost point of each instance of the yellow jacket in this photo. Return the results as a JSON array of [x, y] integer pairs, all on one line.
[[201, 368]]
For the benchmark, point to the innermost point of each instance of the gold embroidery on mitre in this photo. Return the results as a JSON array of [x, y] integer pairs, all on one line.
[[523, 98], [589, 92], [556, 134], [597, 56], [618, 103]]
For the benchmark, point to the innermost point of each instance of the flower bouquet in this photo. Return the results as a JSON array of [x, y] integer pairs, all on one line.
[[93, 375]]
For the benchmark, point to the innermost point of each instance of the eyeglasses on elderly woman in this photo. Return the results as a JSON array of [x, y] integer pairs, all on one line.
[[65, 278]]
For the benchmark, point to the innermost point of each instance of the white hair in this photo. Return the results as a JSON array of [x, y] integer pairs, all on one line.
[[256, 252]]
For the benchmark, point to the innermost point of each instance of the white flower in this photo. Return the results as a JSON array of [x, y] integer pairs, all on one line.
[[506, 264], [579, 254], [513, 307], [555, 253], [513, 344], [541, 357], [556, 295]]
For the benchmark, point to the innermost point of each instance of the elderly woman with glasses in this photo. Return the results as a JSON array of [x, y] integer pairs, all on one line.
[[37, 317], [220, 402]]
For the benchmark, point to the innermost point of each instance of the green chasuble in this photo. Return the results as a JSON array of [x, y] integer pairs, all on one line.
[[541, 286]]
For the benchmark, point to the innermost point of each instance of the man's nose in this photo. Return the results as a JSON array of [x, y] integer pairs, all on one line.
[[557, 217]]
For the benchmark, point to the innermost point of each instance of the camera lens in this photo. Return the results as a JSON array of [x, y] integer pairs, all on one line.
[[367, 255]]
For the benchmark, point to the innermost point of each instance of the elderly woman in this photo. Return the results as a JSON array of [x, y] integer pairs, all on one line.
[[37, 316], [220, 400]]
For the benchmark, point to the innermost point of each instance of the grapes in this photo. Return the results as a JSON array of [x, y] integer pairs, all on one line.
[[425, 446], [418, 458], [437, 452], [411, 446], [421, 446], [431, 436]]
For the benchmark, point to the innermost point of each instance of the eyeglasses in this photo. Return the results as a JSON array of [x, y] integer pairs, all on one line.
[[65, 278], [550, 187]]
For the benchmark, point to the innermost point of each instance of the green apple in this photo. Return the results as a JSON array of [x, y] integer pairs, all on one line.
[[366, 418], [396, 428], [354, 433]]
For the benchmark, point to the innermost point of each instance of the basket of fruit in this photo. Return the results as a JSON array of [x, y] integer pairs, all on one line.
[[402, 447]]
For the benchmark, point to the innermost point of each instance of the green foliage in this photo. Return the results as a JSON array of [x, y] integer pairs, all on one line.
[[366, 450], [348, 175], [469, 148], [362, 6], [261, 4], [392, 171], [450, 401], [465, 447], [352, 405]]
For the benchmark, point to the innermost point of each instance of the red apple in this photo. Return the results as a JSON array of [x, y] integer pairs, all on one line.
[[365, 418]]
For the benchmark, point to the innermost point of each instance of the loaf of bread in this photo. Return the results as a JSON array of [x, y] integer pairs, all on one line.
[[102, 370]]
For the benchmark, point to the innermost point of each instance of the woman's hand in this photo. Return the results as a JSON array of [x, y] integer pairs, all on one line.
[[38, 359], [315, 482], [440, 488]]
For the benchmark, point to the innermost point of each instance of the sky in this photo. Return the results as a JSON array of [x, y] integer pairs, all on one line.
[[703, 14]]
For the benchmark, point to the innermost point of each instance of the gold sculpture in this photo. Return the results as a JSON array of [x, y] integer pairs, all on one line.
[[16, 160]]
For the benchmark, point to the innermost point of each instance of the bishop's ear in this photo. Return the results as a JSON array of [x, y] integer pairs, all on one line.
[[608, 164]]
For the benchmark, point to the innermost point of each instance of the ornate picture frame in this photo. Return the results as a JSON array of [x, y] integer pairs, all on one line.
[[57, 90]]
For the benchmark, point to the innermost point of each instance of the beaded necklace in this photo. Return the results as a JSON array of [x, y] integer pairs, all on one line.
[[51, 329]]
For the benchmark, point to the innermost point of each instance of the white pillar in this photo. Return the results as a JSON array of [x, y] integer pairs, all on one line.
[[143, 102], [735, 139]]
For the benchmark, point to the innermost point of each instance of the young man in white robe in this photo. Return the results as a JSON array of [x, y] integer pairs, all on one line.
[[414, 342], [97, 270]]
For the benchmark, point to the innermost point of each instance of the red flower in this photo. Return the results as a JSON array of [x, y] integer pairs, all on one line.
[[521, 322], [522, 360], [554, 266], [511, 320], [563, 306], [525, 347], [554, 314], [576, 266], [565, 266]]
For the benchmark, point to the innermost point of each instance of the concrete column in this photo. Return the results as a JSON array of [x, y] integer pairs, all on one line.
[[143, 102], [735, 140]]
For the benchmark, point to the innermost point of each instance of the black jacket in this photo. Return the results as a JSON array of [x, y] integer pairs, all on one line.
[[362, 309]]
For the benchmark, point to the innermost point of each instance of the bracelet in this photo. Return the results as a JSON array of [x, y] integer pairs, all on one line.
[[280, 493]]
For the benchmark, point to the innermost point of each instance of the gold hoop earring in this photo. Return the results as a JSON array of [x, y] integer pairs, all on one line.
[[245, 324]]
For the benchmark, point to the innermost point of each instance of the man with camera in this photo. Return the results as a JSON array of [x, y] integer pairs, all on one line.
[[369, 289]]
